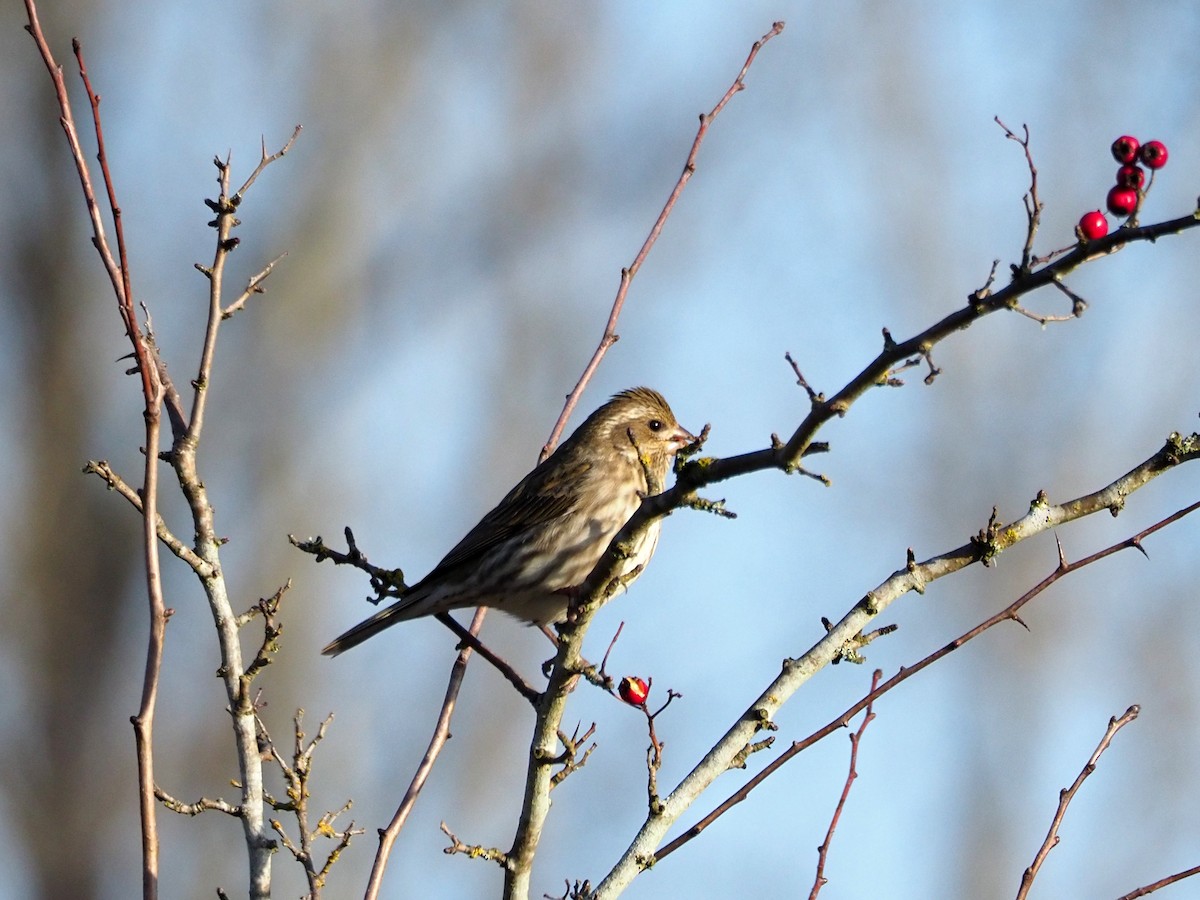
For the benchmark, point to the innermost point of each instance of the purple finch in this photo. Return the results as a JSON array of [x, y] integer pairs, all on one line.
[[528, 555]]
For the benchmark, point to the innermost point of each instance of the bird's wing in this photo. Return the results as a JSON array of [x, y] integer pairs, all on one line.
[[535, 501]]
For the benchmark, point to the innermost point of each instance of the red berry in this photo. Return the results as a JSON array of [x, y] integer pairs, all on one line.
[[633, 690], [1122, 201], [1131, 176], [1125, 149], [1154, 154], [1093, 225]]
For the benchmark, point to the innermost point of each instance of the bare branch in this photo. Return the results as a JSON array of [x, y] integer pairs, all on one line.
[[819, 881], [1161, 883], [1115, 724], [610, 336], [441, 734]]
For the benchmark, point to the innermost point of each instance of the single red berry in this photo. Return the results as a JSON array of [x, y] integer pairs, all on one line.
[[1131, 176], [1093, 225], [1125, 149], [1122, 201], [1154, 154], [633, 690]]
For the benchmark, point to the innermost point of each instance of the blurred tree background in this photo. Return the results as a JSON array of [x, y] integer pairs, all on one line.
[[470, 179]]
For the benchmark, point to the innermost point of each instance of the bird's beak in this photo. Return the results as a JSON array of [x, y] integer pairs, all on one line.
[[681, 438]]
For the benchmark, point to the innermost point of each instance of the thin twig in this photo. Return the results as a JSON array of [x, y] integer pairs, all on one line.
[[441, 734], [296, 771], [819, 881], [1161, 883], [470, 638], [1033, 203], [610, 336], [253, 286], [1115, 724]]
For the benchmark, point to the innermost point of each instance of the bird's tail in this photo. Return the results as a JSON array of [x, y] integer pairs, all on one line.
[[385, 618]]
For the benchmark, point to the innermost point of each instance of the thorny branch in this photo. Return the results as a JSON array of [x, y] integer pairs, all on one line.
[[1082, 506]]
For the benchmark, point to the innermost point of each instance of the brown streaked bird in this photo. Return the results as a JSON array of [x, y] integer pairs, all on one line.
[[542, 540]]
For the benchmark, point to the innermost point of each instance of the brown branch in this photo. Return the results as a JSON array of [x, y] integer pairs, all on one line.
[[610, 336], [67, 121], [1009, 613], [125, 297], [1161, 883], [441, 734], [1033, 203], [819, 881], [152, 392], [1065, 796], [470, 638]]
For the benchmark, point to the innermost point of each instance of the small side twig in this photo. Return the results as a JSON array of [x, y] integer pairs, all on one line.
[[571, 759], [1033, 203], [475, 851], [654, 753]]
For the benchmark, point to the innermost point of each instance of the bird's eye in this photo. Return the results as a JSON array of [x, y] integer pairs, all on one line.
[[654, 425]]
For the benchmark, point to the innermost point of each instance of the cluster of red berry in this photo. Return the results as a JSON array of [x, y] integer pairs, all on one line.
[[1126, 194]]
